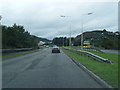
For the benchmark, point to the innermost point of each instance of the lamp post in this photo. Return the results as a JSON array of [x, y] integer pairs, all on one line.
[[0, 39], [70, 29], [63, 41], [0, 19], [82, 22]]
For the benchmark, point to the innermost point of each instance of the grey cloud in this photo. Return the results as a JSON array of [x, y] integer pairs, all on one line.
[[43, 18]]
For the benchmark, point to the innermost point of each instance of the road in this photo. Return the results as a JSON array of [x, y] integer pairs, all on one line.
[[44, 69], [111, 51]]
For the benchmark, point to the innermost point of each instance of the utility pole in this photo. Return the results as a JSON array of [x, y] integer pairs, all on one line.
[[82, 22], [70, 29]]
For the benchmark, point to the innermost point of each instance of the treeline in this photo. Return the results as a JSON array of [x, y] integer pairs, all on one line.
[[17, 37], [62, 41], [98, 38]]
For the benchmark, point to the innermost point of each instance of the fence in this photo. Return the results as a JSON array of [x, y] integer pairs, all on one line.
[[15, 50]]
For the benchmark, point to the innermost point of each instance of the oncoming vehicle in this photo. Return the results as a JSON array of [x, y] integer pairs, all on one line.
[[55, 49]]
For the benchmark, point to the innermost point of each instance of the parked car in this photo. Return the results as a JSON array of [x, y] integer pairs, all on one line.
[[55, 49]]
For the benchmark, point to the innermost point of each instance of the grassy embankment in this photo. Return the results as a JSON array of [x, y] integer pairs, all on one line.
[[107, 72]]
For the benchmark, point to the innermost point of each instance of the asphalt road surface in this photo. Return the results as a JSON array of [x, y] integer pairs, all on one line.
[[44, 69]]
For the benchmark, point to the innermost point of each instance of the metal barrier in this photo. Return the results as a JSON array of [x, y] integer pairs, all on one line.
[[96, 57], [15, 50]]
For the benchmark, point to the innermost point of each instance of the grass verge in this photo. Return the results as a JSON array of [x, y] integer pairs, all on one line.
[[107, 72], [17, 54]]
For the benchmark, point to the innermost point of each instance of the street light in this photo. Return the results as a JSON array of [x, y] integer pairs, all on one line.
[[63, 41], [0, 17], [0, 22], [0, 35], [89, 13], [70, 28]]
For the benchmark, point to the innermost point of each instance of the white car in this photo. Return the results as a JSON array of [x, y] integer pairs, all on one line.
[[55, 49]]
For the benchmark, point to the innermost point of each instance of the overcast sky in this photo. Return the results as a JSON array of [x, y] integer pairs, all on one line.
[[42, 17]]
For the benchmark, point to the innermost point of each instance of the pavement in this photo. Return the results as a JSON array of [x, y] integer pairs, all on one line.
[[44, 69]]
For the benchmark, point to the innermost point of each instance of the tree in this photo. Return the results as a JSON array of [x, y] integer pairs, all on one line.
[[16, 37]]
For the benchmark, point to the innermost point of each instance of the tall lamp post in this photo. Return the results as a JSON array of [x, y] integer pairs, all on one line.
[[89, 13], [0, 52], [0, 17], [63, 41], [70, 29]]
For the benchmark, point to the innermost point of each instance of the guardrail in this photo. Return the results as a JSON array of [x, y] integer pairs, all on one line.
[[96, 57], [15, 50]]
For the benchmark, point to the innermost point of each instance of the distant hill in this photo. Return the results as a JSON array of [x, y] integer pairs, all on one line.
[[100, 38], [44, 39]]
